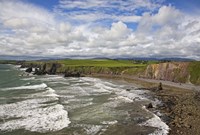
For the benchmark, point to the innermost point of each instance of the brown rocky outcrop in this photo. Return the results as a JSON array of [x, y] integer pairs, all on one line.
[[170, 71]]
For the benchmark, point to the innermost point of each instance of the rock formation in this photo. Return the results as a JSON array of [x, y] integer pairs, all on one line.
[[170, 71], [72, 74]]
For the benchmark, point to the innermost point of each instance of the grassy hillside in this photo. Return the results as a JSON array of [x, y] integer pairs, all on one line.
[[93, 66], [102, 66], [100, 63], [194, 69]]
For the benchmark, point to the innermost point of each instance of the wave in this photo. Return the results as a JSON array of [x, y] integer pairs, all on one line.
[[50, 78], [109, 122], [23, 69], [30, 78], [155, 121], [39, 86], [93, 129], [51, 92], [33, 115], [89, 79], [125, 99], [134, 95]]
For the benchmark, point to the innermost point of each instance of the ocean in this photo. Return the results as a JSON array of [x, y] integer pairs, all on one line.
[[54, 105]]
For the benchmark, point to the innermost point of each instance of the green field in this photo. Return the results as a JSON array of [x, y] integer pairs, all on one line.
[[99, 63], [194, 69], [96, 66]]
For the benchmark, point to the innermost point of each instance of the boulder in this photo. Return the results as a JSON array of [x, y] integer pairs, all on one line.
[[29, 70], [39, 72], [72, 74], [149, 106]]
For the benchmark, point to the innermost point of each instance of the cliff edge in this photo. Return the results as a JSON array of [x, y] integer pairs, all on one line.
[[180, 72]]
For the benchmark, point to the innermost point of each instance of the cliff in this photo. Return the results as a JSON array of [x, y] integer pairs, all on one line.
[[180, 72], [51, 68]]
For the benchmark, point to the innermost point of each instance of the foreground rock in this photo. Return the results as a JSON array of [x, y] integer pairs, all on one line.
[[182, 108], [149, 106]]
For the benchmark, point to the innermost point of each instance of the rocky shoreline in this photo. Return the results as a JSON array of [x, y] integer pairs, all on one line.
[[180, 107], [43, 69]]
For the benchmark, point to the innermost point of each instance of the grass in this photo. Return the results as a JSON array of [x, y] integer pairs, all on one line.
[[100, 63], [194, 69], [99, 66]]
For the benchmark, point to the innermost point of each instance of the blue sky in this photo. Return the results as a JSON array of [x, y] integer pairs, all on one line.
[[100, 28]]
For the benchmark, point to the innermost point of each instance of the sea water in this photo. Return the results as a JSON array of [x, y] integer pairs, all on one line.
[[54, 105]]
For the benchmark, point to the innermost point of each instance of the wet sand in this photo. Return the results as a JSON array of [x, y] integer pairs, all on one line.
[[181, 103]]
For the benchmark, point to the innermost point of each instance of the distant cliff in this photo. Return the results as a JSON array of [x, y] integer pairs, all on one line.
[[41, 68], [181, 72]]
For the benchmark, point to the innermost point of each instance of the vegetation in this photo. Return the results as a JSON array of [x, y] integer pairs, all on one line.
[[194, 69], [100, 63], [102, 66]]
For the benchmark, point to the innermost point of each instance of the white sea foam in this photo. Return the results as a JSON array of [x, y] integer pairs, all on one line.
[[34, 115], [125, 99], [48, 93], [109, 122], [40, 114], [78, 91], [39, 86], [67, 83], [30, 78], [104, 87], [17, 66], [78, 105], [134, 96], [50, 78], [93, 129], [155, 121], [51, 92], [23, 69], [88, 79]]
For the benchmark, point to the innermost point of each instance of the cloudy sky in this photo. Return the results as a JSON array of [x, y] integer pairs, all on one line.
[[100, 28]]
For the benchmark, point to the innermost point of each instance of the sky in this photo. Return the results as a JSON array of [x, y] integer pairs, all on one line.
[[100, 28]]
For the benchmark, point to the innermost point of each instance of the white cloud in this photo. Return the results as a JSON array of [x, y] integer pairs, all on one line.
[[167, 15], [29, 30], [15, 13], [118, 30], [95, 10]]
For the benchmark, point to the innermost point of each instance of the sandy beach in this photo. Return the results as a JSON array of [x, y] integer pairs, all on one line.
[[181, 103]]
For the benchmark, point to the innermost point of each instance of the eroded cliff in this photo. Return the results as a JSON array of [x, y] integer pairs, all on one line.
[[181, 72]]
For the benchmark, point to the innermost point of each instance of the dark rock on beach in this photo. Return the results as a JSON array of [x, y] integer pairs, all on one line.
[[29, 70], [72, 74], [149, 106]]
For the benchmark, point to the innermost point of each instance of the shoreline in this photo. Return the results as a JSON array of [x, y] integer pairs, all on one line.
[[181, 104], [187, 86]]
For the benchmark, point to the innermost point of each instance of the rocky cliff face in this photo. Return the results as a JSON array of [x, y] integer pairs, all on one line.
[[41, 68], [171, 71], [181, 72]]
